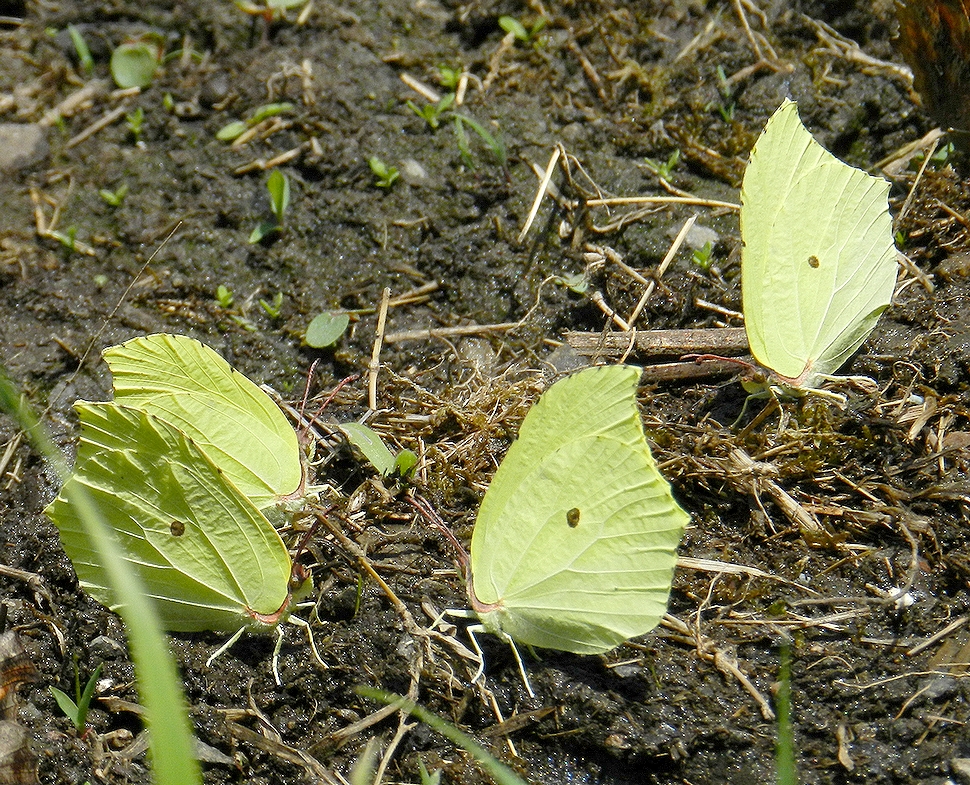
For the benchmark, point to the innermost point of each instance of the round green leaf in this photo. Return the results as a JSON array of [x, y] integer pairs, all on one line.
[[134, 64], [326, 328]]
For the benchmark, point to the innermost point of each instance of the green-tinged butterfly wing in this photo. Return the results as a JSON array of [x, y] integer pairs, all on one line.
[[575, 542], [236, 424], [207, 556], [818, 262]]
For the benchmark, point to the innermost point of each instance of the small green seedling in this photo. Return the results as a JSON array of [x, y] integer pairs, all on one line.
[[664, 169], [67, 238], [495, 144], [428, 778], [526, 35], [77, 712], [273, 308], [449, 77], [116, 197], [370, 444], [432, 113], [577, 283], [726, 106], [237, 128], [386, 175], [278, 186], [703, 257], [224, 296], [135, 121], [134, 63], [326, 328], [81, 47]]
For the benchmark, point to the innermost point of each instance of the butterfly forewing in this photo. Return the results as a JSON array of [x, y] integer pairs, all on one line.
[[239, 427]]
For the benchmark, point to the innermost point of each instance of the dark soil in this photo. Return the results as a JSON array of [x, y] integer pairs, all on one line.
[[616, 84]]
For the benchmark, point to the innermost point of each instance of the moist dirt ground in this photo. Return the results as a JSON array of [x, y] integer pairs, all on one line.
[[839, 531]]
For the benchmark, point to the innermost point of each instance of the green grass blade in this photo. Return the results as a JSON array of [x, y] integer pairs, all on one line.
[[172, 753], [499, 772], [785, 748]]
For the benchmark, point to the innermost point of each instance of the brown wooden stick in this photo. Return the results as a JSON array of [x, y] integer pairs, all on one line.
[[730, 341]]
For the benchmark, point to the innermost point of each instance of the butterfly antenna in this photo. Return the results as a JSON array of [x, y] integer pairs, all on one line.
[[124, 296], [306, 387], [424, 507], [340, 385]]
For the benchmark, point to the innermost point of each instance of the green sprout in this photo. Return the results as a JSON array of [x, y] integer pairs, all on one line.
[[135, 121], [526, 35], [237, 128], [67, 238], [703, 257], [577, 283], [278, 186], [77, 712], [115, 197], [386, 175], [81, 47], [431, 113], [663, 170], [726, 106], [449, 77], [326, 328], [428, 778], [274, 307], [378, 455], [495, 144], [224, 296]]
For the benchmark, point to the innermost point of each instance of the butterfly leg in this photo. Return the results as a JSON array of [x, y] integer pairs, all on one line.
[[518, 660], [276, 655], [225, 647], [515, 652], [298, 622]]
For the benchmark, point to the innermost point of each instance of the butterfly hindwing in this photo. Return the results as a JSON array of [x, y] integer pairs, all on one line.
[[576, 539]]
